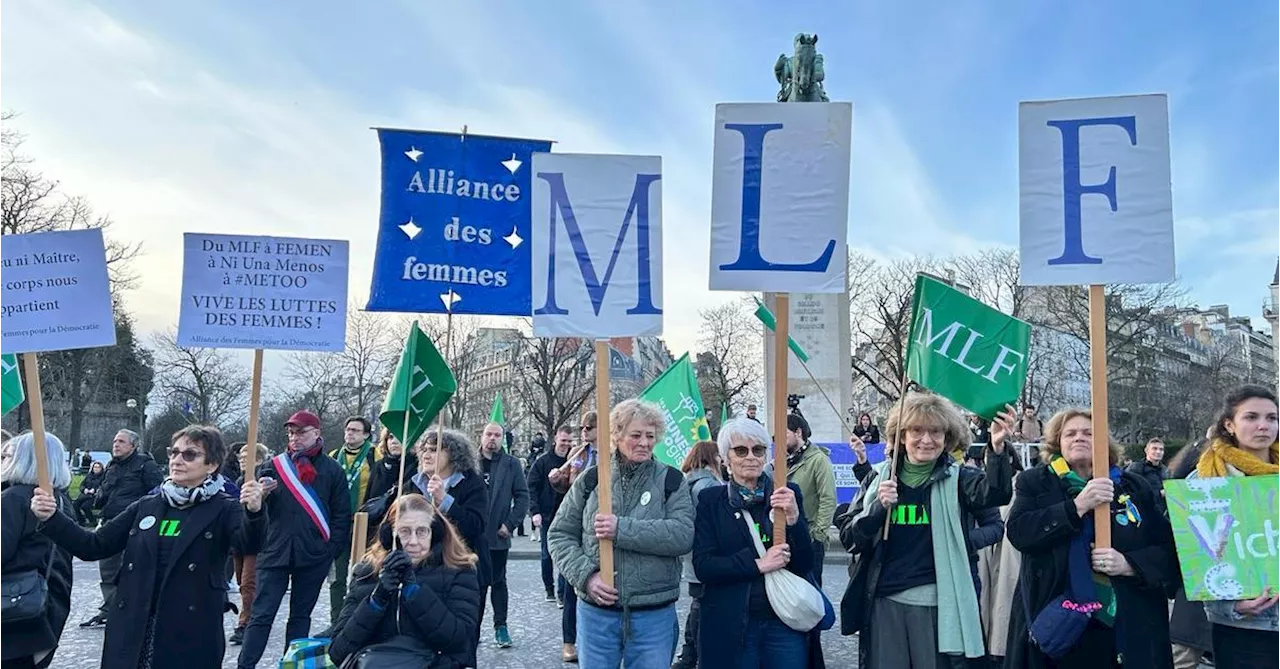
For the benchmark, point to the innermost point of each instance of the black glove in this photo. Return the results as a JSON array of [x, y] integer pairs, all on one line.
[[392, 574]]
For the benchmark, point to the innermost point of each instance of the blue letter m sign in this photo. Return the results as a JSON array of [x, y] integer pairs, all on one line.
[[638, 208]]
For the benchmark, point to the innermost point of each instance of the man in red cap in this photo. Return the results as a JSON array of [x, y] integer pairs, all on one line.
[[310, 523]]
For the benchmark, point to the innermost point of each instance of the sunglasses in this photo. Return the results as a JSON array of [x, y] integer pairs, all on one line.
[[743, 451], [187, 454]]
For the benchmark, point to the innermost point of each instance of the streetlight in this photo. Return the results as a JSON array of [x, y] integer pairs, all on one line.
[[133, 404]]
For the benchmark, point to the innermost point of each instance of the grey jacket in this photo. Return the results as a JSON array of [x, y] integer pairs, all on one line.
[[653, 533], [508, 498], [698, 480]]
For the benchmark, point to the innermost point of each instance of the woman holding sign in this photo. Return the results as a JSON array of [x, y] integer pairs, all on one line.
[[915, 590], [172, 589], [1077, 605], [1243, 444]]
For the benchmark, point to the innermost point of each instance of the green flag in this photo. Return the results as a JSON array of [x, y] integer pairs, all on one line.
[[964, 350], [766, 317], [496, 414], [419, 389], [724, 413], [676, 391], [11, 393]]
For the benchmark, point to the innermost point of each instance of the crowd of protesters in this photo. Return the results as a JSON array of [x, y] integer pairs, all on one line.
[[959, 555]]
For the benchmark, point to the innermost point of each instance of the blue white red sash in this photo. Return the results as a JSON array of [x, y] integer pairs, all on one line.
[[302, 492]]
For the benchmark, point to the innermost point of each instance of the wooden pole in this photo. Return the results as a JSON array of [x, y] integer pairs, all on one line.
[[359, 535], [899, 450], [255, 398], [1098, 390], [782, 330], [604, 448], [35, 403]]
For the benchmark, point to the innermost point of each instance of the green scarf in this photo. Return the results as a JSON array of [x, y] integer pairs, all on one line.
[[351, 467], [1106, 594], [916, 475]]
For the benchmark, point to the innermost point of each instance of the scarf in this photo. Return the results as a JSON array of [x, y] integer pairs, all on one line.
[[1220, 457], [302, 460], [749, 497], [184, 498], [352, 467], [915, 475], [793, 459], [1078, 558]]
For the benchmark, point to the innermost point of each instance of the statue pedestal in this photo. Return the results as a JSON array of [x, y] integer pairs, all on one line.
[[820, 325]]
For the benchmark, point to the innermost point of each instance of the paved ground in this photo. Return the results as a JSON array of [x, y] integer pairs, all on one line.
[[534, 623]]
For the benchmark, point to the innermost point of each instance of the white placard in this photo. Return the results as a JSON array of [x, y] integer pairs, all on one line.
[[57, 296], [780, 197], [281, 293], [1096, 201], [597, 245]]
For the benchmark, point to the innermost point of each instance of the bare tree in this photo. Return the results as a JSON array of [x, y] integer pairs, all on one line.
[[554, 379], [371, 352], [729, 363], [207, 382], [880, 312]]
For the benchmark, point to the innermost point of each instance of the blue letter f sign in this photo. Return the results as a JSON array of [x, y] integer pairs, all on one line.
[[1072, 190]]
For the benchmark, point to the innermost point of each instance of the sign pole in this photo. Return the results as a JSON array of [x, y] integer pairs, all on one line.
[[782, 314], [604, 454], [255, 398], [1098, 391], [35, 404], [359, 535]]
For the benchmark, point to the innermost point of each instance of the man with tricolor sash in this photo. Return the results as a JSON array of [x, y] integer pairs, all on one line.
[[309, 507]]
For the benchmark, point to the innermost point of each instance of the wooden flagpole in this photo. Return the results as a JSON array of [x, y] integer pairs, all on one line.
[[35, 405], [782, 330], [897, 439], [1098, 391], [604, 455], [255, 398]]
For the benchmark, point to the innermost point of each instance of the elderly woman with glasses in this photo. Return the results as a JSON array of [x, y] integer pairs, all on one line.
[[747, 633], [173, 587], [31, 642]]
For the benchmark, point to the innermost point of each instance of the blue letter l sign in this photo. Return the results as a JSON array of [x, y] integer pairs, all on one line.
[[749, 257]]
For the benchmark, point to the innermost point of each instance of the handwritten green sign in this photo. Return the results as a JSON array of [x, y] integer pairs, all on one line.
[[1227, 535]]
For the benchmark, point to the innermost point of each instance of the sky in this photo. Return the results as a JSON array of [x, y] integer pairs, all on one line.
[[253, 118]]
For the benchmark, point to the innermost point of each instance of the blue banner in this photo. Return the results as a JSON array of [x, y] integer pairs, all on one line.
[[453, 232], [842, 462]]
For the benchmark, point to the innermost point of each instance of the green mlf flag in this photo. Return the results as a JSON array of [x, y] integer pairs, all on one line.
[[766, 317], [676, 391], [964, 350], [496, 414], [724, 413], [11, 392], [419, 389]]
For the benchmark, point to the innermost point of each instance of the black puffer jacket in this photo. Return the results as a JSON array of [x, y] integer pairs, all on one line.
[[441, 613], [24, 548], [126, 481]]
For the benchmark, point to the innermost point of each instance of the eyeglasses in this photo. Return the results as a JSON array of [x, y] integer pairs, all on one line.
[[187, 454], [757, 450], [296, 432]]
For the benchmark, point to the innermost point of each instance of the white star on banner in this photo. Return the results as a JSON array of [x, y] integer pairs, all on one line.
[[514, 238], [450, 298], [512, 164], [410, 229], [413, 153]]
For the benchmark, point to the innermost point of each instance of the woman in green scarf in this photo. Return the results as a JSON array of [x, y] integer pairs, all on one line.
[[912, 596]]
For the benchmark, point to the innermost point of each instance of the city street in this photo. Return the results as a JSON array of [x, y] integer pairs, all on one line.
[[534, 623]]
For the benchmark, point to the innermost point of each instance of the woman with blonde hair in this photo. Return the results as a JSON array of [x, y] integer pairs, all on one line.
[[415, 592], [915, 590], [1243, 443], [1076, 605]]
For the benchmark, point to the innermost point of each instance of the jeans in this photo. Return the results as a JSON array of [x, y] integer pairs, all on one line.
[[306, 584], [247, 578], [1238, 648], [108, 569], [338, 585], [770, 644], [548, 578], [569, 616], [647, 642], [497, 589]]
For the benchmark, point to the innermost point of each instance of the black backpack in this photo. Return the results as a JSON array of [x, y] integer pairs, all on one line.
[[669, 485]]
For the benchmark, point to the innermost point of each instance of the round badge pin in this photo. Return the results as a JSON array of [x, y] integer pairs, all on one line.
[[644, 499], [1122, 519], [147, 523]]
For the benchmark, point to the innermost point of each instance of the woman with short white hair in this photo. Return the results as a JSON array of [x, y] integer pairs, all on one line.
[[28, 554]]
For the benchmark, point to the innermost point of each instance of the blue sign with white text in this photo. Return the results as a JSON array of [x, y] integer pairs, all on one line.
[[453, 233]]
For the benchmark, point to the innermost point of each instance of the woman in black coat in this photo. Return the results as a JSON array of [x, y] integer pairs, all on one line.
[[386, 469], [448, 475], [31, 643], [430, 578], [1052, 510], [89, 485], [172, 588]]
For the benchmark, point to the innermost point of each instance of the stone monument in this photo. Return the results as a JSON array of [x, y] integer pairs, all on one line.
[[819, 322]]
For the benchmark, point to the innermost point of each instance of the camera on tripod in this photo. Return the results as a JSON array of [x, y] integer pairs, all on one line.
[[793, 404]]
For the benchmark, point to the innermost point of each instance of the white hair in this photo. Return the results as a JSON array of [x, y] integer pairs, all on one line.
[[20, 467], [742, 428]]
